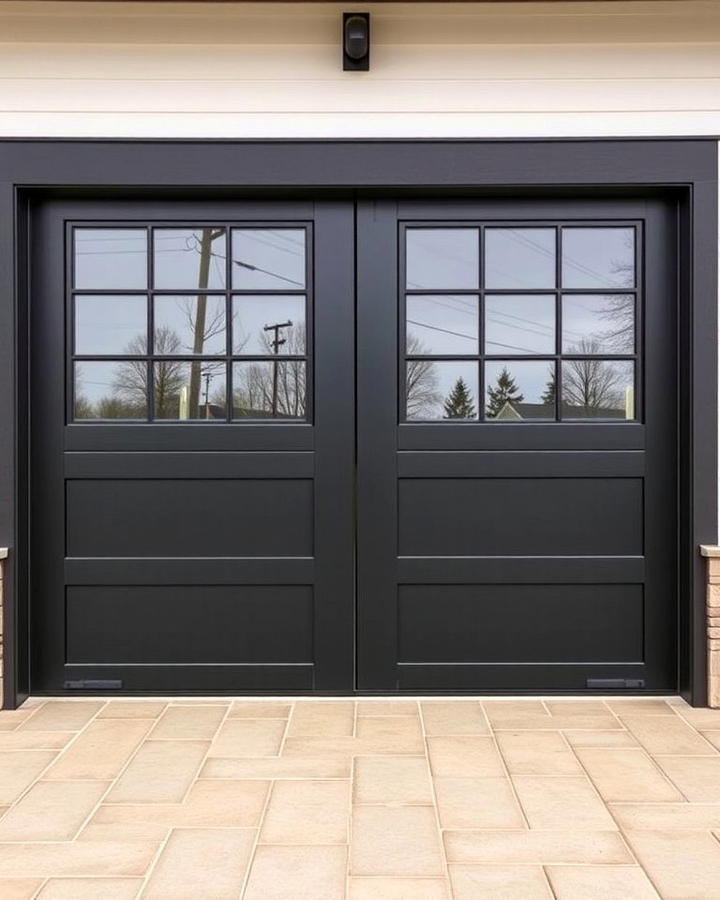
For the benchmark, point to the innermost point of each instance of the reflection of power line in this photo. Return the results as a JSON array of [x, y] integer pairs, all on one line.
[[470, 337]]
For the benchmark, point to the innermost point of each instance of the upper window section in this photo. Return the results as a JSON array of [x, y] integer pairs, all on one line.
[[272, 259], [111, 259], [517, 258], [189, 258], [598, 257], [443, 258]]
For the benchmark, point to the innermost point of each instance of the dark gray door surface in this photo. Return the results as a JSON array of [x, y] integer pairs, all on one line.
[[192, 446], [516, 446]]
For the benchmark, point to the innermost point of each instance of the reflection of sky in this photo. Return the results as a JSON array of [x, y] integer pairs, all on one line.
[[178, 255], [96, 380], [598, 257], [252, 314], [442, 258], [179, 314], [520, 258], [519, 324], [110, 258], [442, 324], [108, 324], [597, 319], [531, 378], [272, 258]]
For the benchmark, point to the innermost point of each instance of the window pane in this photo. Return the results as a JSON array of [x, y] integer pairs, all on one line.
[[190, 324], [111, 324], [519, 389], [443, 258], [189, 258], [519, 324], [598, 388], [441, 390], [444, 324], [520, 258], [598, 257], [114, 258], [268, 324], [267, 389], [268, 259], [190, 390], [598, 323], [110, 390]]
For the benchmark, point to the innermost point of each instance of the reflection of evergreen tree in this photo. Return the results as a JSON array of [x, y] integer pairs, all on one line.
[[548, 396], [459, 403], [505, 391]]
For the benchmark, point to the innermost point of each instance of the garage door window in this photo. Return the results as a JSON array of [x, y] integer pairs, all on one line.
[[514, 323], [166, 326]]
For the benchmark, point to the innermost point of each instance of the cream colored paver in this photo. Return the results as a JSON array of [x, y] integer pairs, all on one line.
[[576, 707], [277, 767], [347, 747], [661, 735], [380, 888], [160, 772], [640, 706], [132, 709], [464, 756], [560, 804], [249, 737], [712, 736], [702, 719], [18, 770], [626, 775], [477, 803], [537, 753], [501, 710], [259, 709], [499, 883], [392, 779], [181, 723], [558, 723], [35, 740], [666, 816], [297, 873], [600, 883], [62, 715], [19, 888], [698, 777], [144, 831], [91, 889], [51, 811], [202, 862], [600, 739], [316, 717], [72, 858], [681, 865], [101, 751], [537, 847], [307, 812], [387, 708], [400, 733], [12, 718], [459, 717], [395, 841]]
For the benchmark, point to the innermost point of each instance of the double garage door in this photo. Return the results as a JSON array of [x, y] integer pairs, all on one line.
[[391, 445]]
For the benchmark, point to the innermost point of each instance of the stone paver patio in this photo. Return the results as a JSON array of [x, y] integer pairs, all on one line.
[[370, 800]]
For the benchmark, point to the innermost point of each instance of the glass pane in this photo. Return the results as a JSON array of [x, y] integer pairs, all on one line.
[[520, 324], [443, 258], [519, 389], [520, 258], [598, 388], [598, 257], [190, 390], [114, 258], [189, 258], [444, 324], [268, 324], [190, 324], [110, 390], [441, 390], [268, 389], [268, 259], [110, 324], [598, 323]]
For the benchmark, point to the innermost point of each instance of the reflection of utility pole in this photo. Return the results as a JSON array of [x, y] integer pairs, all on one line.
[[208, 235], [276, 343], [208, 376]]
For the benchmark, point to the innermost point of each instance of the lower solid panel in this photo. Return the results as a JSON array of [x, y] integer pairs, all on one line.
[[520, 623], [189, 624]]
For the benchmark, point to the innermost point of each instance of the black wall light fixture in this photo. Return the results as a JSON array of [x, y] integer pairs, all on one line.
[[356, 42]]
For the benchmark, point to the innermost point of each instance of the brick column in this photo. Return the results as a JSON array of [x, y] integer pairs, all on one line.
[[713, 623]]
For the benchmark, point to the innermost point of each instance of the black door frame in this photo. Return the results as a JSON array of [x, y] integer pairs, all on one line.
[[685, 170]]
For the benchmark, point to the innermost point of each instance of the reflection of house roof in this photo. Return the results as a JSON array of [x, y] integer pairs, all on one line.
[[512, 411]]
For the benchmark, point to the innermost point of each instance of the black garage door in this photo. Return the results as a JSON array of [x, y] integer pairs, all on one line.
[[223, 498]]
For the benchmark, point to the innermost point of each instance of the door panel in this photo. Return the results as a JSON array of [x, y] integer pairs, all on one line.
[[516, 445], [192, 446]]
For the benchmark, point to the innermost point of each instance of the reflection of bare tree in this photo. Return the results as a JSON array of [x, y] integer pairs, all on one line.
[[591, 383], [257, 393], [421, 382], [131, 380]]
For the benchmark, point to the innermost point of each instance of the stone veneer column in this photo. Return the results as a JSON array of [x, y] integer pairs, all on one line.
[[713, 623]]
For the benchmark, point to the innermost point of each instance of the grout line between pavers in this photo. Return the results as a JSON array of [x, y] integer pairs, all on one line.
[[503, 762]]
